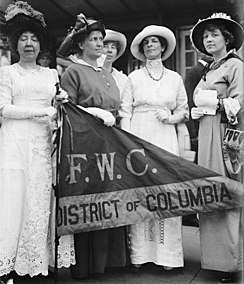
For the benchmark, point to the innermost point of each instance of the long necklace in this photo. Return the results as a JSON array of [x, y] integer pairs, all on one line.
[[155, 79]]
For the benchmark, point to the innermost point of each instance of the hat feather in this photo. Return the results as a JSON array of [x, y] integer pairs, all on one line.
[[22, 7]]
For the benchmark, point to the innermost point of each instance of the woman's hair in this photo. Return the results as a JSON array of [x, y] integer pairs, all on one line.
[[162, 40], [14, 37], [228, 36]]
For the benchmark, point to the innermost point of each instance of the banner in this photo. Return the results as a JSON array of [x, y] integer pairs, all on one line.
[[109, 178]]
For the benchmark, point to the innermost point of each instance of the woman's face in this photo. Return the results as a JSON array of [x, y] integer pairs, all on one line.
[[44, 61], [110, 50], [92, 47], [28, 46], [152, 47], [214, 42]]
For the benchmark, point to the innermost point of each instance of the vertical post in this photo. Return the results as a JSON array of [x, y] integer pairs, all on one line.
[[56, 186]]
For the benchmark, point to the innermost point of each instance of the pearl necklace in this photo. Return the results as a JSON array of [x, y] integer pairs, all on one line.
[[155, 79]]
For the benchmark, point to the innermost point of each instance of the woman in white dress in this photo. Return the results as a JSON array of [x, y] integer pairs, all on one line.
[[26, 94], [153, 102], [114, 45]]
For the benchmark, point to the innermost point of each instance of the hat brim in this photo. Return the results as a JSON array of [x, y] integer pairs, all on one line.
[[118, 37], [153, 31], [96, 26], [232, 26], [23, 22]]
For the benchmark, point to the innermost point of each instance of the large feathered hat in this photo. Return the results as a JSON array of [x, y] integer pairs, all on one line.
[[222, 19], [20, 16]]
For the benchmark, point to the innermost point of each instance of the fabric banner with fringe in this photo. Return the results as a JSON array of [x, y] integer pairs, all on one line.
[[108, 177]]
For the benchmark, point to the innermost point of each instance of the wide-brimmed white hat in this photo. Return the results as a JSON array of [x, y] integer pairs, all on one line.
[[223, 19], [153, 30], [118, 37]]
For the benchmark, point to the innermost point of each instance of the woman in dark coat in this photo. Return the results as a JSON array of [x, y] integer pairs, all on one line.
[[94, 89]]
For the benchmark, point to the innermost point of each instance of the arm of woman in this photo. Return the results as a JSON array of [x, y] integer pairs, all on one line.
[[126, 109], [181, 112], [8, 110], [69, 82], [106, 116], [60, 95], [233, 104], [235, 80]]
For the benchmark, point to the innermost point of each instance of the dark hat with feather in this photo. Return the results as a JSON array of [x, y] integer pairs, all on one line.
[[83, 27], [20, 16]]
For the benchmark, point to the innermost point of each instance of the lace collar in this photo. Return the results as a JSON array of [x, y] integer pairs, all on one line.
[[154, 69], [154, 64], [23, 71]]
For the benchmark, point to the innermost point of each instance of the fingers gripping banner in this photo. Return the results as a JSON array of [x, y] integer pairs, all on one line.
[[109, 178]]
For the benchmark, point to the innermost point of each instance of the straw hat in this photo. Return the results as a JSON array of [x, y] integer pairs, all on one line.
[[153, 30], [118, 37], [217, 19], [20, 16]]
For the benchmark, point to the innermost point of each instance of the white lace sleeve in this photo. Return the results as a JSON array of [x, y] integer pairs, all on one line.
[[127, 100], [55, 76], [7, 109], [5, 88], [17, 112]]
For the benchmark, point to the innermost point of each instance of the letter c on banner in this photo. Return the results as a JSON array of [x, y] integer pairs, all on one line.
[[129, 165]]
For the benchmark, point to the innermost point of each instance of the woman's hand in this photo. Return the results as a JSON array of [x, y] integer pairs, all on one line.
[[162, 115], [45, 115], [81, 23], [61, 97], [106, 116], [50, 112], [196, 113]]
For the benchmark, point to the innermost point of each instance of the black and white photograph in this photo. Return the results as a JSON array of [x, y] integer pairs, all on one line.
[[121, 141]]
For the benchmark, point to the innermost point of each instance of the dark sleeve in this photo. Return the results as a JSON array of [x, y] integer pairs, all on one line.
[[193, 76], [69, 82]]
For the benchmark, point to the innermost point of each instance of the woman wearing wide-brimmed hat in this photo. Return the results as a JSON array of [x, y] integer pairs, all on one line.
[[221, 231], [94, 90], [153, 102], [113, 48], [26, 94]]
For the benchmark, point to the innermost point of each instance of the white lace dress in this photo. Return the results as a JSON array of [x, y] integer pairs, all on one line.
[[25, 172]]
